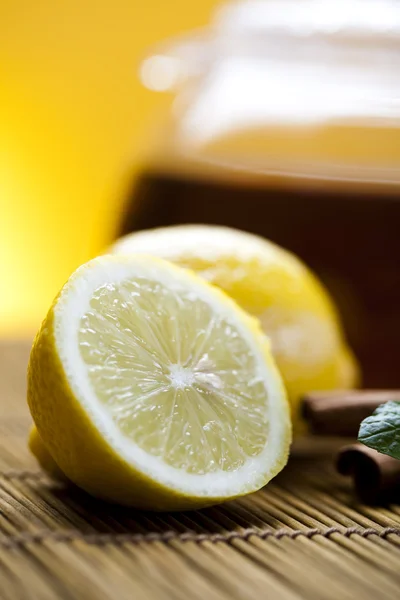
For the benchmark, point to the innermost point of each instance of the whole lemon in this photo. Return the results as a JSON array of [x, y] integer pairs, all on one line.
[[294, 308]]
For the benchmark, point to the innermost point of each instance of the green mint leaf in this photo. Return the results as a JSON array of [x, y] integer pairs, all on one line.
[[381, 430]]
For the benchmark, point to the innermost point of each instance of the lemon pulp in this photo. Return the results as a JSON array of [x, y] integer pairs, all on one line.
[[175, 379]]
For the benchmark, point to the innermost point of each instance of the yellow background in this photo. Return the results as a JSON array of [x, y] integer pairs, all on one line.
[[72, 114]]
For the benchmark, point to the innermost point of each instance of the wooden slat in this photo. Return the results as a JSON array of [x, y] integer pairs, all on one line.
[[302, 537]]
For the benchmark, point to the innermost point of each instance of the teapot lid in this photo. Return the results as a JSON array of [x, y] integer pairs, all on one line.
[[362, 30], [357, 18]]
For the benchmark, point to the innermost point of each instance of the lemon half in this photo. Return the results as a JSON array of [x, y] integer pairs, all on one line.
[[294, 308], [151, 388]]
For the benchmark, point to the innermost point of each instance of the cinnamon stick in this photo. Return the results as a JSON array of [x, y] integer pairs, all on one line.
[[376, 476], [339, 413]]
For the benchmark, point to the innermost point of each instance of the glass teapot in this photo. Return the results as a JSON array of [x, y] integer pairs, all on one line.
[[286, 89], [286, 123]]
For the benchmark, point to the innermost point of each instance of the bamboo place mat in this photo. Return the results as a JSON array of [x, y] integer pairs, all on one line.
[[303, 536]]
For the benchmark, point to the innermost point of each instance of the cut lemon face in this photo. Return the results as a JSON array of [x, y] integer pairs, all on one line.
[[151, 388]]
